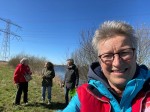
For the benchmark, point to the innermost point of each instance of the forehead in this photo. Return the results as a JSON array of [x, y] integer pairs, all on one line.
[[68, 61], [114, 44]]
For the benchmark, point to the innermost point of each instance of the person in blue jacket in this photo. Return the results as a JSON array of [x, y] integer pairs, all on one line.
[[116, 83]]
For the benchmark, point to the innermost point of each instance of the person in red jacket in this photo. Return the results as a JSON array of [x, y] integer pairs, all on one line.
[[20, 81]]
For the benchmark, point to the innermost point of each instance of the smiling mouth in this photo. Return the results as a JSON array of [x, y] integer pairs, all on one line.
[[119, 71]]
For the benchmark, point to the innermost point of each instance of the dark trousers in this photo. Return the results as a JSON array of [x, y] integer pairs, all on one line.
[[67, 97], [23, 87]]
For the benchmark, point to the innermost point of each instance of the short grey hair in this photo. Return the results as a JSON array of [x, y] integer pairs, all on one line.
[[71, 60], [111, 28], [23, 60]]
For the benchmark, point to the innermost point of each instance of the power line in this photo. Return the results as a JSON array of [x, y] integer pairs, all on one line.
[[5, 48]]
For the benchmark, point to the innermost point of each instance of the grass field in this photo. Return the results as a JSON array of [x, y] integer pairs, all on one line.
[[8, 91]]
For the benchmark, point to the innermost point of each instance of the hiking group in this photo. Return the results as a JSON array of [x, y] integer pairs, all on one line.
[[22, 70]]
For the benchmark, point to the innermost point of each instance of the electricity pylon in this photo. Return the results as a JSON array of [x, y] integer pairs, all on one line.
[[5, 47]]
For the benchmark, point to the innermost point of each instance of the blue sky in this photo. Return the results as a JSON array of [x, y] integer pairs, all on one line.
[[51, 28]]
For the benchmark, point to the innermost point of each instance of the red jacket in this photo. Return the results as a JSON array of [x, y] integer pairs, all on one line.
[[99, 103], [19, 73]]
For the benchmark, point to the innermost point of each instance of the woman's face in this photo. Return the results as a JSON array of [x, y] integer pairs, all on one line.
[[46, 64], [119, 71], [26, 62]]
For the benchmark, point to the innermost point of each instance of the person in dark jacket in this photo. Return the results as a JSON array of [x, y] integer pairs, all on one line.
[[48, 74], [20, 82], [71, 79]]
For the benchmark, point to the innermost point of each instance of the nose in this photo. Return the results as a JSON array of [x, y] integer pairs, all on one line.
[[116, 61]]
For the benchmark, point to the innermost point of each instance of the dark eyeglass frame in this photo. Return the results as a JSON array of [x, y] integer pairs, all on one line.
[[120, 54]]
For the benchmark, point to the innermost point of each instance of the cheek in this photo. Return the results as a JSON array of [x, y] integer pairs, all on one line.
[[105, 69], [133, 67], [132, 63]]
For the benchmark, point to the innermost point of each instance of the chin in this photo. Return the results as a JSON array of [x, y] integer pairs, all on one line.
[[121, 82]]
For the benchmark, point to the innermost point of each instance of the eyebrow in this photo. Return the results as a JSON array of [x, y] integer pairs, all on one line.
[[109, 52]]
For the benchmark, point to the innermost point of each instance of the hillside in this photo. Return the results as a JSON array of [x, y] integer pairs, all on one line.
[[8, 91]]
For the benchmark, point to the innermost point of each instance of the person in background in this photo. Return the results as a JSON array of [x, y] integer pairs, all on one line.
[[48, 74], [116, 83], [20, 82], [71, 79]]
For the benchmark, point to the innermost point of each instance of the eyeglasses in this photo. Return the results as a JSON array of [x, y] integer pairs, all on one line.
[[125, 55]]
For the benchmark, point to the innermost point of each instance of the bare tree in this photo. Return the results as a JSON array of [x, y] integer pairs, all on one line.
[[143, 50], [85, 55]]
